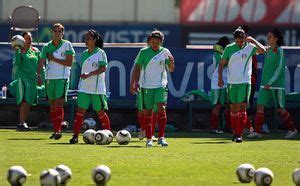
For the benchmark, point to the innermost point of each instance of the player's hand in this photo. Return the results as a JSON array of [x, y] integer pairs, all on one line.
[[220, 83], [85, 75], [50, 57], [171, 58], [134, 88], [39, 80], [267, 87]]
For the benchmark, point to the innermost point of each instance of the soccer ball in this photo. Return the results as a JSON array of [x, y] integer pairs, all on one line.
[[245, 173], [110, 136], [89, 136], [17, 41], [65, 173], [123, 137], [16, 175], [50, 177], [296, 176], [89, 123], [263, 177], [101, 137], [101, 174]]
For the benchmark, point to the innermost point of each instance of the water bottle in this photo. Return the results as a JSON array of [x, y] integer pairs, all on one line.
[[4, 91]]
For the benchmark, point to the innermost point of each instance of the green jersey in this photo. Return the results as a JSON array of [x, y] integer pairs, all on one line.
[[26, 62], [273, 72]]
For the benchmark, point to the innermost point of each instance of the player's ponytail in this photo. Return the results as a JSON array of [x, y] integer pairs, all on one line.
[[99, 40], [278, 34]]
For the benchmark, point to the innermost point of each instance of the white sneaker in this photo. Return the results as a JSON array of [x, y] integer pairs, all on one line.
[[162, 142], [149, 143], [141, 134], [154, 139], [291, 134], [254, 135]]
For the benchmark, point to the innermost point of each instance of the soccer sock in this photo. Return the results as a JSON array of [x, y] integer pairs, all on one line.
[[248, 123], [148, 125], [242, 122], [154, 121], [162, 122], [140, 117], [214, 120], [77, 123], [288, 121], [60, 117], [234, 122], [104, 121], [53, 116], [227, 118], [259, 120]]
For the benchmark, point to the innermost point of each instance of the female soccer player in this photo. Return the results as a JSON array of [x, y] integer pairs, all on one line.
[[238, 57], [218, 94], [150, 65], [26, 61], [272, 85], [91, 87], [58, 55]]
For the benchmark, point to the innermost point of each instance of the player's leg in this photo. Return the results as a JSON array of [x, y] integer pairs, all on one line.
[[161, 97], [140, 114], [61, 90], [50, 91], [249, 122], [215, 113], [99, 103], [148, 95], [154, 122], [232, 96]]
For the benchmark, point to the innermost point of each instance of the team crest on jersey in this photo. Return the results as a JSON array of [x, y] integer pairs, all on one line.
[[244, 56], [63, 54], [94, 64]]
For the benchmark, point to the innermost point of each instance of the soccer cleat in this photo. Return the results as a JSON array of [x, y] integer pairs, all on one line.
[[254, 135], [56, 135], [239, 140], [216, 131], [74, 139], [154, 139], [23, 127], [52, 135], [149, 143], [233, 138], [141, 134], [162, 142], [291, 134]]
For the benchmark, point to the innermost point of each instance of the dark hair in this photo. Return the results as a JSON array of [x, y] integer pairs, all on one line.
[[223, 41], [25, 33], [59, 25], [278, 34], [246, 29], [156, 34], [239, 33], [99, 40]]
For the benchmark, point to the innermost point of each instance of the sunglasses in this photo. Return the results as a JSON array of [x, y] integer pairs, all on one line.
[[58, 31]]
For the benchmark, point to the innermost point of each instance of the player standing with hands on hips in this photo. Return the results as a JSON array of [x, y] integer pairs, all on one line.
[[151, 65]]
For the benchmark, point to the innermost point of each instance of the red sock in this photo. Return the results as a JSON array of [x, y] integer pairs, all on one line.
[[259, 121], [162, 122], [234, 122], [141, 120], [104, 121], [214, 121], [248, 123], [288, 121], [148, 125], [227, 118], [60, 117], [154, 121], [53, 117], [78, 123], [242, 122]]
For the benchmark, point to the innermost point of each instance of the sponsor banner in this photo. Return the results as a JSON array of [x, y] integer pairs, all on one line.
[[121, 33], [259, 12], [193, 71], [200, 35]]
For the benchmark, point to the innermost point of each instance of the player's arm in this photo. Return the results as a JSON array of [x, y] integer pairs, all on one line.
[[18, 57], [135, 76], [260, 48], [222, 64], [66, 62], [102, 63]]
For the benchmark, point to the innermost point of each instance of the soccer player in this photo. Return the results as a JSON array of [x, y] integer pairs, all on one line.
[[218, 94], [272, 85], [238, 57], [58, 55], [26, 61], [151, 66], [91, 87]]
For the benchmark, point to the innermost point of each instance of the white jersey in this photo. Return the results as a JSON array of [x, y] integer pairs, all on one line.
[[91, 62], [53, 69], [215, 78], [240, 65]]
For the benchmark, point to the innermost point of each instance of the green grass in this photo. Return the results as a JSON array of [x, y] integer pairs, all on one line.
[[191, 158]]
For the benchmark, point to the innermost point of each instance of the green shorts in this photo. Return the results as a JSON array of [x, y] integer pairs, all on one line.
[[140, 104], [98, 101], [27, 91], [57, 88], [153, 96], [277, 95], [239, 93], [218, 96]]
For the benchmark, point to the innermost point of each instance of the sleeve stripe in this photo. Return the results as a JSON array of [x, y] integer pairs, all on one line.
[[279, 68]]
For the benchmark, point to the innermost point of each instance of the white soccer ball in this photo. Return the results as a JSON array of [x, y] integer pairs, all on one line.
[[123, 137], [101, 174], [89, 123], [101, 137], [17, 41], [50, 177], [89, 136], [16, 175], [296, 176], [263, 177], [65, 173], [245, 172], [110, 136]]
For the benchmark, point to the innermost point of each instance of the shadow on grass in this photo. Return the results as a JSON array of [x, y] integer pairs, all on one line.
[[29, 139], [210, 142], [124, 146]]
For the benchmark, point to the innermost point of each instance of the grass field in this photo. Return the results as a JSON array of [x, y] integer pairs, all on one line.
[[191, 158]]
